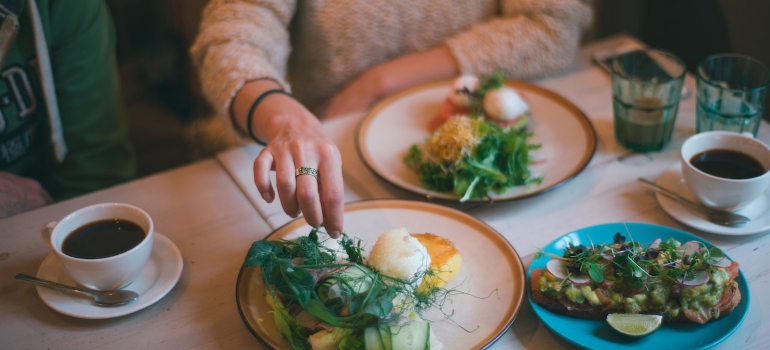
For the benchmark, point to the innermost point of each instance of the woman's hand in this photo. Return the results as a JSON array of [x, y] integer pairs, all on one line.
[[19, 194], [302, 143], [295, 139]]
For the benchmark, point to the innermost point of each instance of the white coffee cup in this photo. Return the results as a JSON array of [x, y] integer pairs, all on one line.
[[106, 273], [722, 192]]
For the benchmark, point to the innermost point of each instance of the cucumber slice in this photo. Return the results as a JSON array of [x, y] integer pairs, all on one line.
[[376, 338], [414, 335], [355, 279]]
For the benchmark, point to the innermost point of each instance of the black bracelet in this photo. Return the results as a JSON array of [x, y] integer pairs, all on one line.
[[249, 117]]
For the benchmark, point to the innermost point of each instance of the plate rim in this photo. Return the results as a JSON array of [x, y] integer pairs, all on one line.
[[741, 279], [519, 295], [580, 116]]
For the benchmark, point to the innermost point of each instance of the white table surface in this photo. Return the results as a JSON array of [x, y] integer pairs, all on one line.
[[606, 191], [201, 210], [208, 210]]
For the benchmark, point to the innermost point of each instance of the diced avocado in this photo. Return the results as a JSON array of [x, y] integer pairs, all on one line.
[[631, 305], [574, 294], [719, 276], [640, 298], [593, 298], [658, 296]]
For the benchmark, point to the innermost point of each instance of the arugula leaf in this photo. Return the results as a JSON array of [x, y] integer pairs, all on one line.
[[317, 309], [499, 161], [259, 253]]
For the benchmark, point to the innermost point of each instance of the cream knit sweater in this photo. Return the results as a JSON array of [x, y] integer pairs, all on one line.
[[316, 47]]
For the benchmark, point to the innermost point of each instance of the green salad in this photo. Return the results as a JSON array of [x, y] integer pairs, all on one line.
[[323, 295], [469, 155]]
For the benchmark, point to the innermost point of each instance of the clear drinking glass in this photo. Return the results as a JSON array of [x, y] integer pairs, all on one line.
[[646, 85], [732, 90]]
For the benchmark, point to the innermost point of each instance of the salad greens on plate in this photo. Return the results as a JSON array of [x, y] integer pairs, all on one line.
[[324, 295], [470, 155]]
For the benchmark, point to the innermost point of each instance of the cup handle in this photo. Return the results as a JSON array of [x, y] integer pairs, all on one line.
[[46, 232]]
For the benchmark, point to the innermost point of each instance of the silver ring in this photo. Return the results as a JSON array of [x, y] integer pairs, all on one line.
[[304, 170]]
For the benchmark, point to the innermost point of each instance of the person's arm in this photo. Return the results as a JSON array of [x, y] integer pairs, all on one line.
[[390, 77], [242, 51], [19, 194], [241, 41], [294, 138], [530, 38], [82, 52]]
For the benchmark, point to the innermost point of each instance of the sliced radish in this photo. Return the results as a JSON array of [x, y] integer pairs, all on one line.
[[580, 279], [697, 279], [608, 283], [558, 268], [689, 247], [722, 262], [607, 254], [655, 243]]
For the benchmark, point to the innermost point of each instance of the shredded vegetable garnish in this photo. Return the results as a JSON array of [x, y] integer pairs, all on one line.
[[453, 140]]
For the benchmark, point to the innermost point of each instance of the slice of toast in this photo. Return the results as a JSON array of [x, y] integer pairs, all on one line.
[[584, 310]]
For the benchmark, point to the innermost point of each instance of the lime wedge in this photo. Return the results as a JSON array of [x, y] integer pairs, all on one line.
[[635, 325]]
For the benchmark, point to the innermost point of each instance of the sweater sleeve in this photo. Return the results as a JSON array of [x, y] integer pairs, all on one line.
[[531, 38], [240, 41]]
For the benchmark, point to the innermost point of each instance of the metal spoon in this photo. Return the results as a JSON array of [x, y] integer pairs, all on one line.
[[720, 217], [106, 298]]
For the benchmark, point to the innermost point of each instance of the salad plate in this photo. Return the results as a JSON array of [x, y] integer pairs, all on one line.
[[599, 335], [566, 136], [158, 277], [489, 285]]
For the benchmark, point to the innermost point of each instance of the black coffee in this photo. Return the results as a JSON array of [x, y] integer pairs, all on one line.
[[727, 164], [103, 239]]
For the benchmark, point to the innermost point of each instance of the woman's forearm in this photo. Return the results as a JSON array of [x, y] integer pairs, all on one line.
[[274, 113], [415, 69], [390, 77]]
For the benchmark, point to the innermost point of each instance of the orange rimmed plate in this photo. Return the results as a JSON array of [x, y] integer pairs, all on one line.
[[567, 137], [491, 279]]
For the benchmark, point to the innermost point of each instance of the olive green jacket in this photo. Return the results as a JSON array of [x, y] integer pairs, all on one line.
[[95, 151]]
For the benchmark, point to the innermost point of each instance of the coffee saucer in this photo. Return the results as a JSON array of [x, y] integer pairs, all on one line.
[[758, 211], [159, 276]]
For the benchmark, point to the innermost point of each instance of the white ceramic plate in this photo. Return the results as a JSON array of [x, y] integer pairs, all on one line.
[[158, 277], [758, 211], [491, 272], [567, 137]]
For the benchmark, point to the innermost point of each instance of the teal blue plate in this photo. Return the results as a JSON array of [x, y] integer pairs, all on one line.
[[599, 335]]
